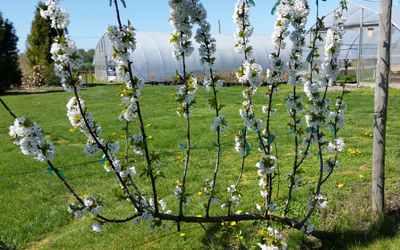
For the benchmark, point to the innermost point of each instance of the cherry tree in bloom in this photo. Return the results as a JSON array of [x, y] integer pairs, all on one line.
[[149, 209]]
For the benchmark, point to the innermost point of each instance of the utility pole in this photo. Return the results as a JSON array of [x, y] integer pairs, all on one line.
[[381, 101]]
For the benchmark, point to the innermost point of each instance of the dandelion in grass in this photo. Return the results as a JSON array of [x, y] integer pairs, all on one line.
[[233, 223], [182, 234], [340, 185], [148, 125], [199, 193], [199, 216], [150, 137], [361, 176], [370, 135]]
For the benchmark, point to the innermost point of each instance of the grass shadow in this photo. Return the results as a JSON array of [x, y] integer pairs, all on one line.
[[383, 228]]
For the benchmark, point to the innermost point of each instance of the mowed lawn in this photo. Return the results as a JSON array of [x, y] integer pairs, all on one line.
[[33, 206]]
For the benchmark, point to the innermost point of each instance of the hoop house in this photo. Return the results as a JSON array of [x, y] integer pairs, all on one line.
[[360, 40], [152, 60]]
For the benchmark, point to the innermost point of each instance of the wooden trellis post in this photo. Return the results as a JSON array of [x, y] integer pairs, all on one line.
[[381, 100]]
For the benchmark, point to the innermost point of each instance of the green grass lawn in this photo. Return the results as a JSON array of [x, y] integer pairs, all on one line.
[[33, 207]]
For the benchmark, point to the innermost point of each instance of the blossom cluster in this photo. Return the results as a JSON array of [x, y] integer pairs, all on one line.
[[319, 112], [208, 84], [31, 140], [233, 199], [123, 40], [91, 204], [294, 181], [75, 117], [65, 55], [178, 193], [250, 72], [180, 19], [240, 144], [273, 239], [295, 107], [308, 229], [244, 30], [186, 94], [203, 36], [266, 166], [299, 13], [250, 121], [337, 116], [208, 189], [58, 16], [124, 43], [320, 199], [137, 143], [338, 145], [283, 19], [220, 122], [330, 164], [67, 60], [148, 216], [333, 42]]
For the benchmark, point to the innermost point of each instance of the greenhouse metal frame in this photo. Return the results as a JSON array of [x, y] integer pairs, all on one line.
[[360, 40]]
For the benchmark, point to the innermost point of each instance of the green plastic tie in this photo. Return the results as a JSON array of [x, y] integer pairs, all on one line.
[[261, 143], [103, 161], [271, 139], [219, 147], [180, 145], [273, 11], [51, 168], [252, 3], [247, 146], [123, 2], [308, 59]]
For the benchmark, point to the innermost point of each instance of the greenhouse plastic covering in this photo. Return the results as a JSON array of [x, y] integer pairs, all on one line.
[[153, 58], [365, 15]]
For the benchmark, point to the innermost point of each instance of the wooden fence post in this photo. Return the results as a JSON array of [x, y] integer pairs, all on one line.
[[381, 100]]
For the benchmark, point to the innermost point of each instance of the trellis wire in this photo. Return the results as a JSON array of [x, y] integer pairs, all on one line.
[[174, 152]]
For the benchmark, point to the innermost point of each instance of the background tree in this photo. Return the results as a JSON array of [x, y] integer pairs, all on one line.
[[40, 40], [87, 56], [23, 64], [9, 66]]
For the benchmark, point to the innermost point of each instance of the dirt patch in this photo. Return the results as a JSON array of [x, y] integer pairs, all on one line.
[[24, 91]]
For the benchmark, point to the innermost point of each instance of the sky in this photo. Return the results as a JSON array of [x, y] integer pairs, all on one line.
[[89, 19]]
